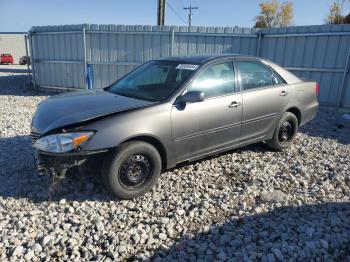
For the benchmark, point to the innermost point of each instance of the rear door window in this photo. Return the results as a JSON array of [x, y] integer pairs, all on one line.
[[254, 74]]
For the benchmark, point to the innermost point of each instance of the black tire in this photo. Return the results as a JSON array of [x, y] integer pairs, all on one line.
[[285, 132], [132, 170]]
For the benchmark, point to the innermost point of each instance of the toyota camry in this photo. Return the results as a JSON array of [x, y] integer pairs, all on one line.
[[168, 111]]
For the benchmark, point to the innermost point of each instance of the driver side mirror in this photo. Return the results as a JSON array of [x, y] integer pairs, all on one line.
[[192, 97]]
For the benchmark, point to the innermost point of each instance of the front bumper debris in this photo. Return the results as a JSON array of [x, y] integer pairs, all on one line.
[[54, 165], [58, 164]]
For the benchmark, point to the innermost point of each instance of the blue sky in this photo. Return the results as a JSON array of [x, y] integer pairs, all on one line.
[[20, 15]]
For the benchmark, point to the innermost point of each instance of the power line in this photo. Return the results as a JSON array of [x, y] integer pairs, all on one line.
[[176, 13]]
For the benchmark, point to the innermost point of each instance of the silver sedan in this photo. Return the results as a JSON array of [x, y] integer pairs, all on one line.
[[168, 111]]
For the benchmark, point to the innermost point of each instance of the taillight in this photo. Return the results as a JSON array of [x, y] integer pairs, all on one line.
[[316, 88]]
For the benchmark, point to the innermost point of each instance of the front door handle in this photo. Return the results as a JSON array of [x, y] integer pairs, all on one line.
[[234, 104], [283, 93]]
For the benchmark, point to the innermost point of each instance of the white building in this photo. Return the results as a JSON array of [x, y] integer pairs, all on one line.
[[13, 43]]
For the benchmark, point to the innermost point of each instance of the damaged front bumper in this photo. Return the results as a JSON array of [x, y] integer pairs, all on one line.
[[57, 164]]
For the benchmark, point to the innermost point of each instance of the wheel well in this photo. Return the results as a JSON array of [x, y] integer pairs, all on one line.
[[296, 112], [154, 142]]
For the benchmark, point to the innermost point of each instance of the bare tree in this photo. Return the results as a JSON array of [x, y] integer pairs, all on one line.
[[336, 11]]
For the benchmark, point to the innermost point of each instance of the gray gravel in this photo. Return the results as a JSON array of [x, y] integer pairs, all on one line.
[[245, 205]]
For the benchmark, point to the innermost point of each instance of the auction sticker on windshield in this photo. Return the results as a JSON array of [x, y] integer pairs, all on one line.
[[187, 66]]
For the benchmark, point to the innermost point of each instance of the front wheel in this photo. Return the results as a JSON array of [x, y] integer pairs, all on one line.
[[133, 170], [285, 132]]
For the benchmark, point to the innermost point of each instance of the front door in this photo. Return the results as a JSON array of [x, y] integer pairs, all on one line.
[[215, 123]]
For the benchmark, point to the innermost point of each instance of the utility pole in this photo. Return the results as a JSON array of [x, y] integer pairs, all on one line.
[[190, 14], [161, 12]]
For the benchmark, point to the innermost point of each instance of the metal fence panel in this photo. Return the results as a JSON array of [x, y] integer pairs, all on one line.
[[319, 53]]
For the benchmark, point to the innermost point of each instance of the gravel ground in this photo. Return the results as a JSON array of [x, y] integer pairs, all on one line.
[[246, 205]]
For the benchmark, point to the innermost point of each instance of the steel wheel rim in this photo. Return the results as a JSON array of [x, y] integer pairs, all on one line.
[[135, 171], [285, 132]]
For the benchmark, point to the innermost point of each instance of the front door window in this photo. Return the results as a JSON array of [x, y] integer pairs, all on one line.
[[215, 80]]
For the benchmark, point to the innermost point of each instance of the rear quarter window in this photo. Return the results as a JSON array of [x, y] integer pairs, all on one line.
[[277, 79], [287, 76]]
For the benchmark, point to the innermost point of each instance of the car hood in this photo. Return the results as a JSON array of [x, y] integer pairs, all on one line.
[[75, 107]]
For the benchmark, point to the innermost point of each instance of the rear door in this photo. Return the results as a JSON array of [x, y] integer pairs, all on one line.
[[203, 127], [264, 96]]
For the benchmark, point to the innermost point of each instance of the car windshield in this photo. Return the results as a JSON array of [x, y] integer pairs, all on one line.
[[154, 81]]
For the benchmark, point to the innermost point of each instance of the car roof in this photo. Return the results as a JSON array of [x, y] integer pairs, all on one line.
[[201, 59]]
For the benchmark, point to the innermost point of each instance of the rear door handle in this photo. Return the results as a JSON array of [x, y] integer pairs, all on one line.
[[283, 93], [234, 104]]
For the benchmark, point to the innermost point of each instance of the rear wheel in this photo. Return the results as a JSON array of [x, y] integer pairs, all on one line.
[[285, 132], [133, 170]]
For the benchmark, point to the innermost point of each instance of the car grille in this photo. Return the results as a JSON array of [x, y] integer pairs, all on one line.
[[34, 136]]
